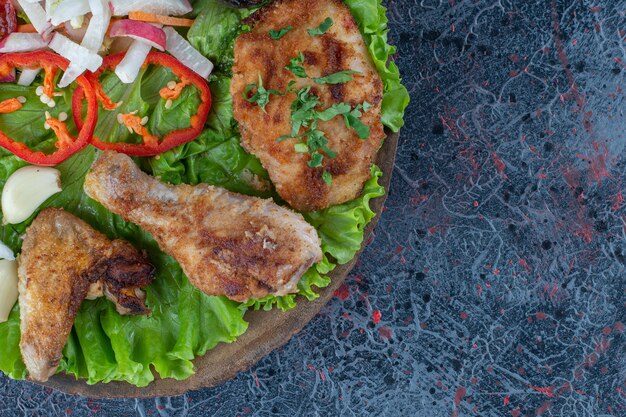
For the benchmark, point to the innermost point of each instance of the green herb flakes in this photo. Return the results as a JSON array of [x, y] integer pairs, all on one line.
[[277, 34], [336, 78], [295, 67], [322, 28], [327, 177], [262, 95]]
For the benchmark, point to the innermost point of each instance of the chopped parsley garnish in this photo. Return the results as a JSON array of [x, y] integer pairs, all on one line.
[[307, 111], [295, 67], [328, 179], [336, 78], [262, 95], [322, 28], [277, 34]]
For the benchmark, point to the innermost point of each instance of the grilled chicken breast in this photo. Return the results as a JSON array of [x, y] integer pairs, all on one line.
[[340, 48], [227, 244], [62, 259]]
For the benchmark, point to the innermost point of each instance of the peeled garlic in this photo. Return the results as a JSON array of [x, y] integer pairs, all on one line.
[[8, 288], [26, 189], [6, 252]]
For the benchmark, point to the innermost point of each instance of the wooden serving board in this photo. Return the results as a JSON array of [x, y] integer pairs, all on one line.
[[267, 331]]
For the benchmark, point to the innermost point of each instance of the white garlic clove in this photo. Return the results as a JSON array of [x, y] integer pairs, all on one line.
[[8, 288], [6, 252], [26, 189]]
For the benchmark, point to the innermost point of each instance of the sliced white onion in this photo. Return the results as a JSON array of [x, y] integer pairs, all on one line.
[[6, 252], [185, 53], [164, 7], [37, 16], [9, 78], [59, 11], [74, 52], [140, 31], [22, 42], [94, 36], [27, 76], [129, 67]]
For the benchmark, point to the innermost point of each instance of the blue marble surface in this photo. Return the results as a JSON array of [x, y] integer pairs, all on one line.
[[495, 283]]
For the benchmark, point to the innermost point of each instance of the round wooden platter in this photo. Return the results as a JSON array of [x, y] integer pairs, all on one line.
[[268, 330]]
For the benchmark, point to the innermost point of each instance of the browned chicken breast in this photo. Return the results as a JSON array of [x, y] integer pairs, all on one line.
[[338, 49], [62, 258], [226, 243]]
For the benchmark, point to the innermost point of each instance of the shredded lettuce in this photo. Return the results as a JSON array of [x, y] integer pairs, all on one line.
[[104, 346]]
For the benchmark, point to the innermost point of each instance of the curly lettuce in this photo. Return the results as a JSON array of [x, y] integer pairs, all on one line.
[[104, 346]]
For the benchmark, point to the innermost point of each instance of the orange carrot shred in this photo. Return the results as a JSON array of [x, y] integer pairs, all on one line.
[[10, 105], [60, 129], [134, 122], [26, 28], [157, 18], [172, 94]]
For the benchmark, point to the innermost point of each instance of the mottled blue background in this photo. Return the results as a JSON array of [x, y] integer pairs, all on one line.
[[498, 267]]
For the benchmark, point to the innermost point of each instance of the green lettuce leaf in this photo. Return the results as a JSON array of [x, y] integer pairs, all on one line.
[[372, 20]]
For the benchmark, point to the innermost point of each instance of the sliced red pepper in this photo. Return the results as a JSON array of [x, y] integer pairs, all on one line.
[[66, 144], [151, 144]]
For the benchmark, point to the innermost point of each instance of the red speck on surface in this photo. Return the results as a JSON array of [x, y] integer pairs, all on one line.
[[524, 264], [619, 199], [514, 58], [376, 316], [475, 203], [506, 400], [606, 331], [463, 315], [516, 412], [385, 332], [619, 327], [543, 408], [549, 390], [498, 163], [343, 292], [322, 376], [595, 9], [160, 407], [256, 380], [458, 395], [540, 315]]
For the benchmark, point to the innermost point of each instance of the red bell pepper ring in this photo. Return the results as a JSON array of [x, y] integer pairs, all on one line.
[[151, 145], [66, 144]]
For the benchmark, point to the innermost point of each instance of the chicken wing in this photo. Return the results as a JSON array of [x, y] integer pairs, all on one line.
[[62, 259], [226, 243], [340, 48]]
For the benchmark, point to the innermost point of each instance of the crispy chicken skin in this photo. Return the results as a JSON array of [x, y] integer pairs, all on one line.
[[340, 48], [227, 244], [62, 258]]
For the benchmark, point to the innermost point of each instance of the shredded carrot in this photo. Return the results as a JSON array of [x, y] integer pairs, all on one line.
[[105, 100], [60, 128], [48, 80], [157, 18], [172, 94], [26, 28], [134, 122], [10, 105]]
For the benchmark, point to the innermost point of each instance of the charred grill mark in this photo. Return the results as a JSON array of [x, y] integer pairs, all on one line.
[[335, 54]]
